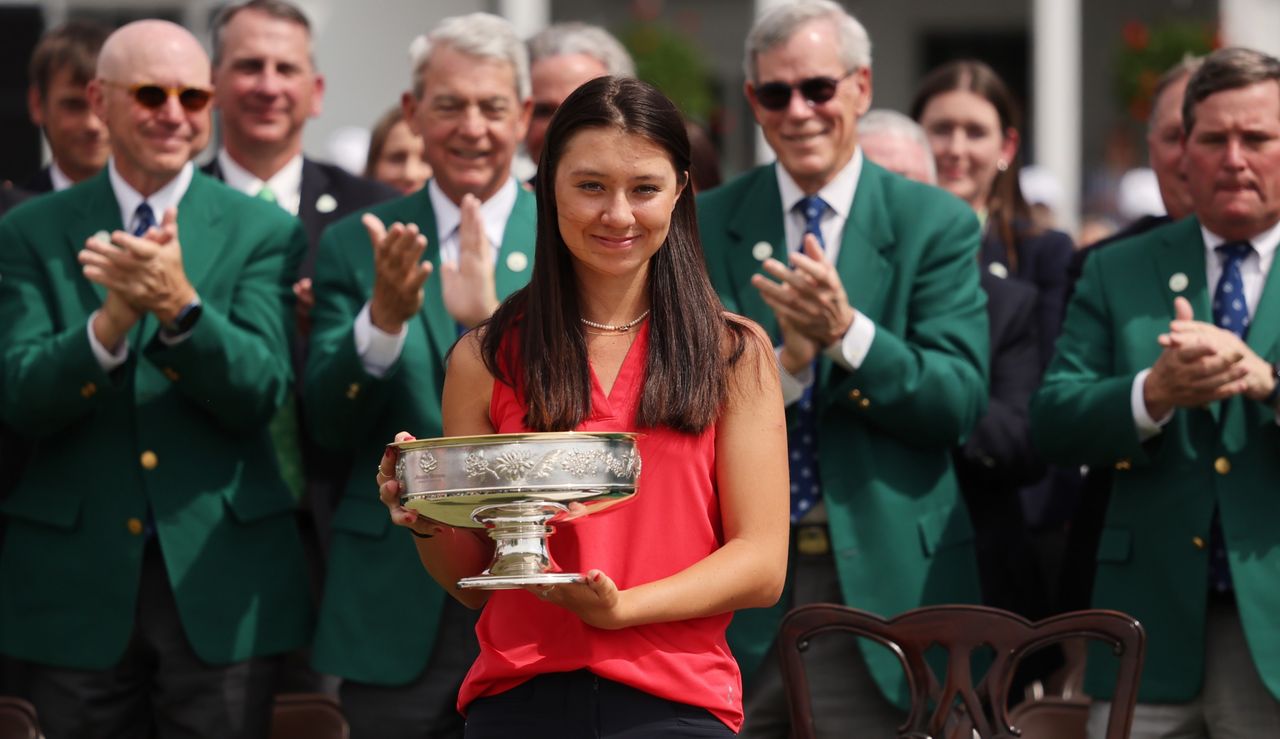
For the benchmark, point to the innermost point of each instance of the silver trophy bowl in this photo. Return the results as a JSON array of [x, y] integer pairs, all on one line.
[[517, 486]]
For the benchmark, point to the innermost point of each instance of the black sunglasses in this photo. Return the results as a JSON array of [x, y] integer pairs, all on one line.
[[817, 90], [192, 99]]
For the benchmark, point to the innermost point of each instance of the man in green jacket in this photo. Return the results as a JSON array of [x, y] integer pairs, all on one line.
[[385, 317], [152, 567], [882, 341], [1165, 372]]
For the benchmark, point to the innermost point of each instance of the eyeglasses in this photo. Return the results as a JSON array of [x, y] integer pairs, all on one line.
[[816, 90], [192, 99]]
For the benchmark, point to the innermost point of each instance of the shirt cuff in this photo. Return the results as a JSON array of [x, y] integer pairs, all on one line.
[[1146, 426], [852, 350], [793, 386], [107, 359], [377, 349]]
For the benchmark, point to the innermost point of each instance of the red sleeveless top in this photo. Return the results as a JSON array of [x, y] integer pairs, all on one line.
[[673, 522]]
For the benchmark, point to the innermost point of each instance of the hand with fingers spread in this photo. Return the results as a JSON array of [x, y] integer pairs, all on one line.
[[467, 285], [398, 272], [597, 600], [1200, 363], [808, 295], [145, 270]]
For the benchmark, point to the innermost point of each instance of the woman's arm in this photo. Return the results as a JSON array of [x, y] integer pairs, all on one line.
[[751, 470], [452, 553]]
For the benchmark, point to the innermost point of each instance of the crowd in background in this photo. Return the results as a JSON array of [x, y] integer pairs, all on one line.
[[201, 363]]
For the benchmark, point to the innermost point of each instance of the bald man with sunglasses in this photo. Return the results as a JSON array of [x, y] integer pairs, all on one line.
[[866, 281], [152, 568]]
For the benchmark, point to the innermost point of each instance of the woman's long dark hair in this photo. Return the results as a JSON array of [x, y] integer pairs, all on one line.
[[1007, 210], [687, 369]]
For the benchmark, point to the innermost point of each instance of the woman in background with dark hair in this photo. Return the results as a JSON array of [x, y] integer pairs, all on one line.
[[620, 330], [972, 122]]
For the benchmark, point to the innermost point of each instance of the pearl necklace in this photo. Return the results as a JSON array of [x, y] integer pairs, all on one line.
[[621, 327]]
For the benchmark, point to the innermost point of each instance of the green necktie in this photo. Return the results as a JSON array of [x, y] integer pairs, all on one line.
[[265, 193]]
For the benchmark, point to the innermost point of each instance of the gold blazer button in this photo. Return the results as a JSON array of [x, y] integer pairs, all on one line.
[[1222, 465], [149, 460], [134, 525]]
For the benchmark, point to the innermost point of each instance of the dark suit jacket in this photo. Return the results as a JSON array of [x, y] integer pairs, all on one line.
[[40, 183], [1153, 558], [374, 570], [11, 196], [1043, 261], [180, 431], [900, 534], [998, 457], [329, 192]]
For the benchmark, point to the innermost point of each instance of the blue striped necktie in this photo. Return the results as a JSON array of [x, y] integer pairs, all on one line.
[[1231, 312], [802, 438]]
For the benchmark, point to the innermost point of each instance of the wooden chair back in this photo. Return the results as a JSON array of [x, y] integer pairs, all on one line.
[[18, 719], [962, 631], [308, 716]]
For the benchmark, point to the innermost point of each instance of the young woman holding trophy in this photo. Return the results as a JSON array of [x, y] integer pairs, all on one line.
[[619, 330]]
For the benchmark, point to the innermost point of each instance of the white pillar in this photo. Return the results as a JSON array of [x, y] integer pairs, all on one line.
[[528, 16], [1251, 23], [1058, 102]]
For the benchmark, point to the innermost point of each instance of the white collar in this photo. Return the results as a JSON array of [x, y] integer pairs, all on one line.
[[161, 200], [285, 184], [838, 193], [1264, 243], [494, 212], [59, 178]]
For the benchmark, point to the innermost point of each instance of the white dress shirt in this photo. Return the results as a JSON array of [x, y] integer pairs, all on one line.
[[850, 352], [128, 199], [59, 178], [1253, 272], [377, 349], [285, 185]]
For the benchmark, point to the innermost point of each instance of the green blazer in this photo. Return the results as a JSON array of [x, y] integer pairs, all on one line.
[[1153, 558], [908, 259], [181, 430], [380, 609]]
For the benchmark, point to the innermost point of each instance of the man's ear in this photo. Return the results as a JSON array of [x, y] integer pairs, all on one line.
[[35, 106]]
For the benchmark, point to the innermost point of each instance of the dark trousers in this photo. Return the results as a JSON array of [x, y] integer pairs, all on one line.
[[160, 688], [426, 708], [581, 705]]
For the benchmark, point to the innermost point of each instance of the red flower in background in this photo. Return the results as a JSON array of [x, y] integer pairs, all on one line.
[[1136, 36]]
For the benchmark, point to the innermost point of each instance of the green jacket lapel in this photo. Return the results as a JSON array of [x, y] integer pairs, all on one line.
[[756, 222], [515, 256], [441, 329], [203, 242], [1180, 272], [861, 264], [96, 211]]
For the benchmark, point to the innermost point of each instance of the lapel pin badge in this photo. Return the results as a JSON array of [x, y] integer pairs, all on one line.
[[998, 269], [762, 250], [1178, 282], [517, 261], [326, 203]]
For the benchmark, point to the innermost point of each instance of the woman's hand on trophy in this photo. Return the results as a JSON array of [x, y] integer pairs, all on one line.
[[597, 600], [389, 493]]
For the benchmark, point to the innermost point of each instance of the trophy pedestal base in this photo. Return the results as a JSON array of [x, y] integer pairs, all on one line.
[[514, 582]]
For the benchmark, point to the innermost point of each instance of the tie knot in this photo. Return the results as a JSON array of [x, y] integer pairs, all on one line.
[[1235, 251], [812, 206], [143, 218], [265, 193]]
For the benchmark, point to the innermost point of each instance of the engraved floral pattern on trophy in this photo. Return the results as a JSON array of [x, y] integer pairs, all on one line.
[[517, 486]]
